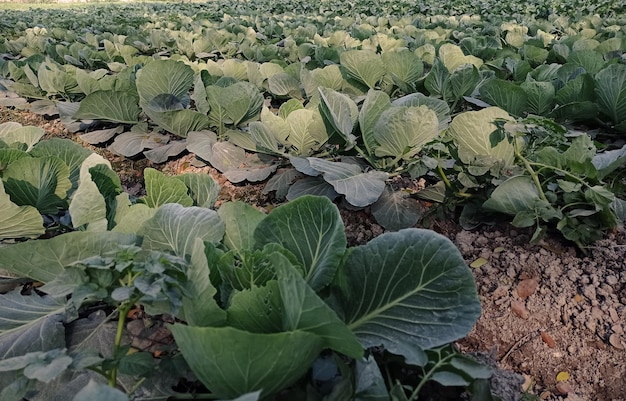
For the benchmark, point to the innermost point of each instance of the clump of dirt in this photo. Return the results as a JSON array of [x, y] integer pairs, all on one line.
[[547, 310]]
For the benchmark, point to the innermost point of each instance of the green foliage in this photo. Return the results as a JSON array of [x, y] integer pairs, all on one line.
[[266, 306]]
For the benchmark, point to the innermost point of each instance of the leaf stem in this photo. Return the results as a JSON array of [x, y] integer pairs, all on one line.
[[428, 375], [123, 309], [531, 171], [444, 177], [559, 170]]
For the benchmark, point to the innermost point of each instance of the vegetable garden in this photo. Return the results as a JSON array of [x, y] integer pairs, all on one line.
[[514, 111]]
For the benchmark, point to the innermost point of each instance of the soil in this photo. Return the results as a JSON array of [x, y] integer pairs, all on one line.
[[550, 312]]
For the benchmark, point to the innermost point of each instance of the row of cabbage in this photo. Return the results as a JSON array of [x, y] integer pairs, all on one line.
[[297, 97]]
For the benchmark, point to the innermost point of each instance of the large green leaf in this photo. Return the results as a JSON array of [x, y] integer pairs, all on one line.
[[517, 194], [578, 89], [265, 139], [395, 210], [9, 155], [121, 107], [590, 60], [364, 66], [11, 132], [327, 77], [179, 122], [611, 91], [402, 131], [408, 288], [27, 315], [340, 111], [67, 150], [471, 131], [43, 260], [404, 67], [174, 228], [240, 221], [258, 309], [134, 142], [307, 131], [311, 228], [29, 324], [88, 205], [437, 81], [373, 107], [462, 81], [164, 77], [540, 96], [505, 95], [239, 102], [304, 310], [608, 161], [203, 189], [232, 362], [18, 221], [42, 182], [161, 189], [283, 84], [110, 186], [199, 305], [360, 188]]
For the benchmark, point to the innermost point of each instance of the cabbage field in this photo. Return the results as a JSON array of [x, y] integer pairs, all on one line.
[[498, 110]]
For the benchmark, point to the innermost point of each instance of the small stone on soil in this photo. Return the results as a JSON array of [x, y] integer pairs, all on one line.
[[519, 309], [563, 388], [527, 287], [547, 338]]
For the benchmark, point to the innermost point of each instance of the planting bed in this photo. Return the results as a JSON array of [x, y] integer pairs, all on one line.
[[570, 320], [245, 180]]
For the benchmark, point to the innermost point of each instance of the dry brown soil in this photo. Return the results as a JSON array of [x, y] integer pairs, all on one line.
[[548, 309]]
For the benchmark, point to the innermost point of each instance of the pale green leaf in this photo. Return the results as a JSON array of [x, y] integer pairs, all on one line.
[[134, 142], [18, 221], [439, 106], [402, 131], [340, 111], [307, 131], [43, 260], [161, 189], [95, 391], [283, 84], [611, 92], [88, 204], [364, 66], [14, 133], [203, 188], [360, 188], [373, 107], [452, 57], [174, 228], [42, 182], [471, 131], [240, 221]]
